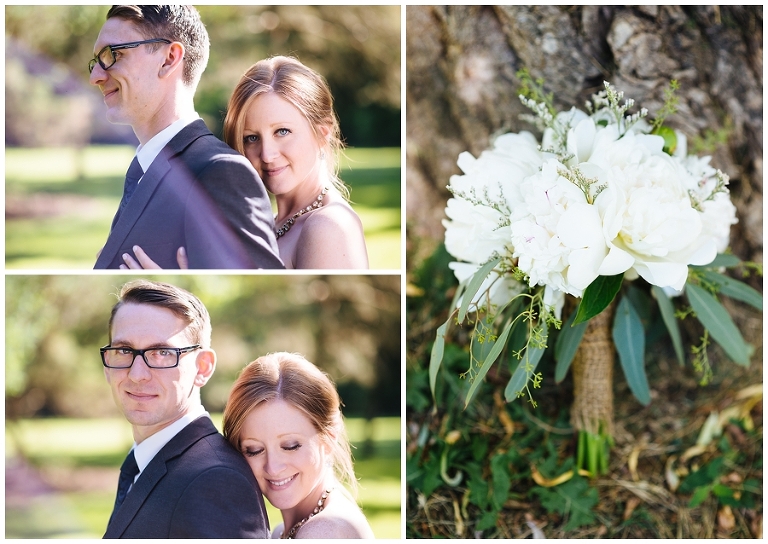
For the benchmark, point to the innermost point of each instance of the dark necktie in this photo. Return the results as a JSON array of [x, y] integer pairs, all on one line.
[[128, 472], [132, 178]]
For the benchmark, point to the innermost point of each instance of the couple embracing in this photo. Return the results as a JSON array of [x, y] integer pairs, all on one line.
[[192, 201], [283, 433]]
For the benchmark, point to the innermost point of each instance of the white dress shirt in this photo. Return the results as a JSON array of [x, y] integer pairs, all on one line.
[[149, 447], [148, 152]]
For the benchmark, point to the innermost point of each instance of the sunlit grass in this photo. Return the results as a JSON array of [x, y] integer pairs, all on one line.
[[71, 238], [62, 443]]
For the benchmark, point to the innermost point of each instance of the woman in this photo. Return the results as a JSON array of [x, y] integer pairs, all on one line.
[[280, 116], [283, 415]]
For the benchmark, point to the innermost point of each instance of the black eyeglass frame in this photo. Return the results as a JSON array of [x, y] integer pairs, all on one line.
[[135, 352], [118, 47]]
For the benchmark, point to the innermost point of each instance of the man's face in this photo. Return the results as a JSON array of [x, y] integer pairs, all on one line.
[[153, 398], [131, 85]]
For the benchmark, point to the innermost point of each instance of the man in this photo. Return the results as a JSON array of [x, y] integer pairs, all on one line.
[[185, 188], [186, 480]]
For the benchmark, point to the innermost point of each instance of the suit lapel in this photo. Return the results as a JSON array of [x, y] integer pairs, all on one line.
[[154, 473], [146, 188]]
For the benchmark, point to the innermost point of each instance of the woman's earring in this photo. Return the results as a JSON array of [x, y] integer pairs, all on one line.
[[322, 155]]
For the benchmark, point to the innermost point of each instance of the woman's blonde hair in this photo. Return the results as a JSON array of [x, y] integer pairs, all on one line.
[[293, 379], [307, 90]]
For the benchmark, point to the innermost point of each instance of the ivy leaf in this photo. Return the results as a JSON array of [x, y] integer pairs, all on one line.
[[520, 376], [474, 286], [597, 297], [501, 480], [567, 343], [629, 338], [493, 354], [705, 477], [716, 320], [487, 521], [735, 289], [699, 496], [574, 499], [668, 315]]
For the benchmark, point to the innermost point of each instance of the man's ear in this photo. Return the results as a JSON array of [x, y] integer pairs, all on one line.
[[206, 364], [173, 60]]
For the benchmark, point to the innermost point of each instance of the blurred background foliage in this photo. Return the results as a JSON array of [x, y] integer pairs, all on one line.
[[347, 325], [64, 173], [357, 48], [65, 439]]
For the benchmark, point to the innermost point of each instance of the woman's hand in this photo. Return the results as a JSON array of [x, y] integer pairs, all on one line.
[[142, 260]]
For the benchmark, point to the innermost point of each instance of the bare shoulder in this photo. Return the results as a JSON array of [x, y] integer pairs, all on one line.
[[332, 237], [337, 216]]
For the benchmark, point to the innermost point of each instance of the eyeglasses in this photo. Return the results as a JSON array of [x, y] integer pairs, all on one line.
[[106, 57], [153, 357]]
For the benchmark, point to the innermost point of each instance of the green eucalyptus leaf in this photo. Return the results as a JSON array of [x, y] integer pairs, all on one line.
[[517, 339], [722, 260], [597, 297], [716, 320], [436, 357], [520, 376], [629, 338], [493, 354], [474, 285], [735, 289], [667, 310], [567, 343]]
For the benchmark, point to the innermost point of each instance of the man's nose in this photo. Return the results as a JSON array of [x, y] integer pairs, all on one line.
[[139, 370], [98, 75]]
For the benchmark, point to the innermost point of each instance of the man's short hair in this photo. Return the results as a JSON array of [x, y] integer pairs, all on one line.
[[182, 303], [175, 23]]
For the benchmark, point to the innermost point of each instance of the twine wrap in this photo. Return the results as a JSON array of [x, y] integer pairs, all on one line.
[[593, 376]]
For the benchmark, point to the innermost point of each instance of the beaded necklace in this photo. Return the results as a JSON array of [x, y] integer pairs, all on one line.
[[316, 204], [317, 510]]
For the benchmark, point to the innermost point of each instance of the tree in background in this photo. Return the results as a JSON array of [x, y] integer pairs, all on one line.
[[357, 49], [347, 325]]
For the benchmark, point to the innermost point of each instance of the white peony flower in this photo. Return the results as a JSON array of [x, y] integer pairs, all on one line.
[[648, 220], [717, 213], [564, 120], [479, 212], [557, 236]]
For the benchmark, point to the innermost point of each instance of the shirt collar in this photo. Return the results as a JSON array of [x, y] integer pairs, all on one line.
[[149, 447], [148, 152]]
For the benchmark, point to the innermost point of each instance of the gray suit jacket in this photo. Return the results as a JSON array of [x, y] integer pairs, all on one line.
[[201, 194], [197, 486]]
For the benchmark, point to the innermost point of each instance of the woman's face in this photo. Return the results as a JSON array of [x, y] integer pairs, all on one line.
[[286, 454], [280, 143]]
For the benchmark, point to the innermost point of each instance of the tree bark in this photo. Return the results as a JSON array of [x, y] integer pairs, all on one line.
[[461, 88]]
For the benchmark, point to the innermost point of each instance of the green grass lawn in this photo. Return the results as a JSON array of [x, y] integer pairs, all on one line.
[[71, 444], [74, 195]]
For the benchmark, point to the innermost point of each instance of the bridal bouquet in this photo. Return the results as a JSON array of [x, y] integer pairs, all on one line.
[[604, 200]]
